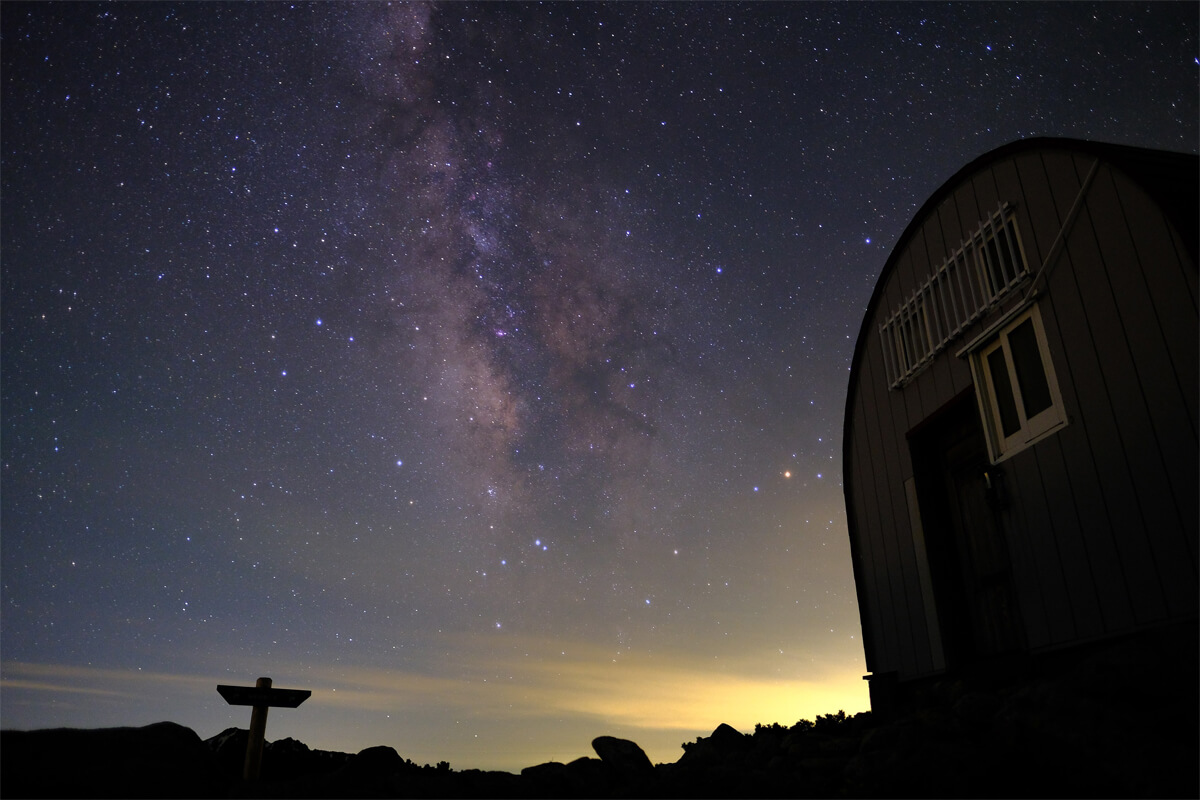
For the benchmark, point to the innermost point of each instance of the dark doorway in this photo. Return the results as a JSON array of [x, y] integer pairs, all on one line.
[[962, 503]]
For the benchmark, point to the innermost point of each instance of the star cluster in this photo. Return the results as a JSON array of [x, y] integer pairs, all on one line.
[[428, 352]]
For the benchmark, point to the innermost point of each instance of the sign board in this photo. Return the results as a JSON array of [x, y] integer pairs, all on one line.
[[262, 697], [254, 696]]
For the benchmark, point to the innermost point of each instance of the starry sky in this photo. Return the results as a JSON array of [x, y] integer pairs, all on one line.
[[480, 368]]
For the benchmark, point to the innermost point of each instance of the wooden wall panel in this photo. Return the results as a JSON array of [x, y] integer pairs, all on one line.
[[878, 427], [1115, 544], [1087, 533], [1170, 280], [1061, 618], [1071, 485], [1129, 365], [887, 560], [1100, 367], [1159, 379], [1069, 454], [984, 201], [1029, 573], [965, 217], [1009, 187], [899, 469], [1039, 221], [1174, 386], [869, 533], [1091, 447], [948, 226]]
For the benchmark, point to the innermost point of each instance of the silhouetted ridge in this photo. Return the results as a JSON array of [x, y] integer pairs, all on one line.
[[1100, 730]]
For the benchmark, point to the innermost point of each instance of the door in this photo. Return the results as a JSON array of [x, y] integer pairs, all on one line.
[[962, 498]]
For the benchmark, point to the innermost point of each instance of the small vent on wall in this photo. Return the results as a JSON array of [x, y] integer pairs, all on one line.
[[973, 279]]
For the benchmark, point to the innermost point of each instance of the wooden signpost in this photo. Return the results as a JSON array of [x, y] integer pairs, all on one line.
[[261, 696]]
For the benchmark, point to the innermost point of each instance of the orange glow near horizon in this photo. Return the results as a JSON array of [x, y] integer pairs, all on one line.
[[539, 709]]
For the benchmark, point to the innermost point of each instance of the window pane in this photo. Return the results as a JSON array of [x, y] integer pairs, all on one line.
[[1004, 396], [1031, 375]]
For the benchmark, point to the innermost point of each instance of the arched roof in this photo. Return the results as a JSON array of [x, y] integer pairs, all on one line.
[[1171, 179]]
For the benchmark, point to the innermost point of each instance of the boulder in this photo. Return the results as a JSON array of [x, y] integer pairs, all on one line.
[[726, 746], [546, 780], [589, 777], [626, 758], [378, 760]]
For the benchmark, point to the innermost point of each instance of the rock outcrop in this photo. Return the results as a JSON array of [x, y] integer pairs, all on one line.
[[1090, 732], [159, 760], [625, 758]]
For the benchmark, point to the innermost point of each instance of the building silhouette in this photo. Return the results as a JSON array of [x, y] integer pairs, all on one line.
[[1020, 443]]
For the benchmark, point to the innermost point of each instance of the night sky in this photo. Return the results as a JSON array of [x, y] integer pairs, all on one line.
[[479, 367]]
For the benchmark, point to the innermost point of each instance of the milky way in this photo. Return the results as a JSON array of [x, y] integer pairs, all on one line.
[[479, 367]]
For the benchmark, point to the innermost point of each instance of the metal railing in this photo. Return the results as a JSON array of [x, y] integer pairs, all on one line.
[[973, 279]]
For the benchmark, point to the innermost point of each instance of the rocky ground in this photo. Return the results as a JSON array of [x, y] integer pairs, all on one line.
[[1108, 728]]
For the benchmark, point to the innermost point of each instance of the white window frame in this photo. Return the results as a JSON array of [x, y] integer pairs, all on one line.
[[1030, 430]]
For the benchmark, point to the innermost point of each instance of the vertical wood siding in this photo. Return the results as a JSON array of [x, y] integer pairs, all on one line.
[[1051, 187], [1101, 516]]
